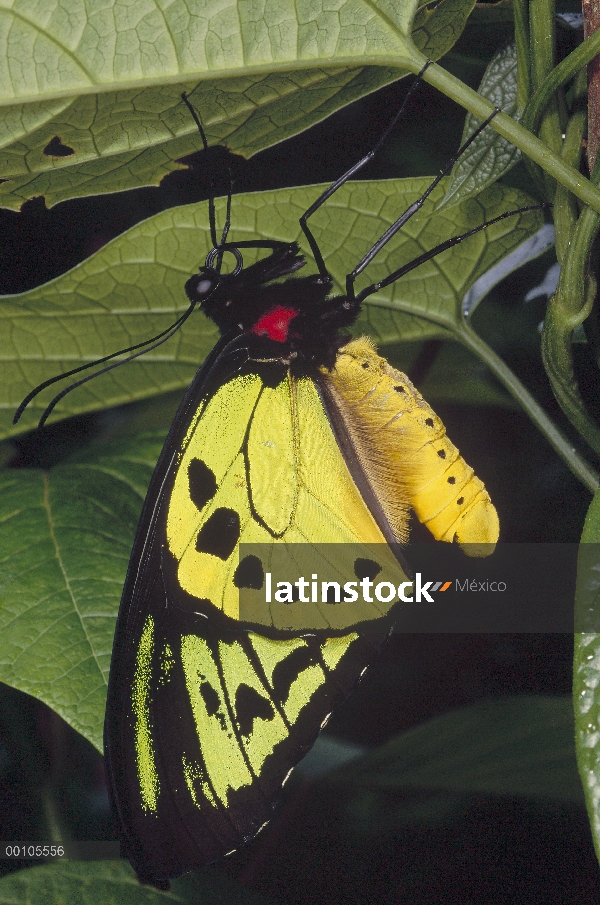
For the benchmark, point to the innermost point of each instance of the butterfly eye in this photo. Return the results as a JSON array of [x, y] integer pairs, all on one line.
[[202, 285]]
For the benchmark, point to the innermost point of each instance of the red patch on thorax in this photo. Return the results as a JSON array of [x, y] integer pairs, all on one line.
[[275, 323]]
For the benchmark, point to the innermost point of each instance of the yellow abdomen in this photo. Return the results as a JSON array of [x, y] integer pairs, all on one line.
[[403, 448]]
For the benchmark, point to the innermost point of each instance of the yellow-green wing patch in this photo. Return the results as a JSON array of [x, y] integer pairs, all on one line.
[[247, 695], [262, 467]]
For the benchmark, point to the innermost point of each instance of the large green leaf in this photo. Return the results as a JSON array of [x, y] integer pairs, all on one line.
[[66, 537], [512, 746], [435, 31], [114, 883], [586, 667], [133, 287], [134, 138], [92, 96]]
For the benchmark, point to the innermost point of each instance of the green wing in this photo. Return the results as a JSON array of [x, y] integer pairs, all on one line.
[[216, 724]]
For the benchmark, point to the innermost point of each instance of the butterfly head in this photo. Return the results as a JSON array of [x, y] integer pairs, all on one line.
[[295, 318], [202, 285]]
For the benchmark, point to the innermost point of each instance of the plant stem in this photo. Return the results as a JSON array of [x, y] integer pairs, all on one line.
[[51, 814], [565, 211], [569, 307], [565, 449], [504, 125], [521, 14], [542, 38], [563, 73]]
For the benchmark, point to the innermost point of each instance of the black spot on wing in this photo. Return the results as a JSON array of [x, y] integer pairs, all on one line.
[[219, 534], [212, 702], [202, 483], [250, 706], [210, 698], [249, 573], [287, 671], [366, 568]]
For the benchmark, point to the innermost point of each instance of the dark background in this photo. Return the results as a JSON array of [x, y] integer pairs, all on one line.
[[321, 847]]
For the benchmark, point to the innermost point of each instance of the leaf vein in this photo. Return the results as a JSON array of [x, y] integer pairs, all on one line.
[[35, 27], [62, 567]]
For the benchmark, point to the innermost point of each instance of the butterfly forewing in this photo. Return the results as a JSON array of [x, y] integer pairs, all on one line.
[[261, 467]]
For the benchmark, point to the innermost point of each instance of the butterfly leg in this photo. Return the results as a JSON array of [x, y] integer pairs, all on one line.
[[402, 219], [324, 273], [433, 252]]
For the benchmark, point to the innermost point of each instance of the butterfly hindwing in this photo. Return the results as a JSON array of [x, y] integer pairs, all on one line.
[[212, 727]]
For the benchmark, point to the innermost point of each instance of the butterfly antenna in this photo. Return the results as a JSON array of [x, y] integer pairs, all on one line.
[[221, 247], [92, 364], [228, 213], [349, 174], [73, 386], [211, 200], [438, 249]]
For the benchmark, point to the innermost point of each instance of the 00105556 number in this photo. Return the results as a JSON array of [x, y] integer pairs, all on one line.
[[31, 850]]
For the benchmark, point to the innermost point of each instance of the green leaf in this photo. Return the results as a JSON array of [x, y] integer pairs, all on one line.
[[113, 883], [436, 31], [67, 533], [132, 288], [493, 13], [586, 666], [490, 156], [66, 537], [103, 86], [511, 746]]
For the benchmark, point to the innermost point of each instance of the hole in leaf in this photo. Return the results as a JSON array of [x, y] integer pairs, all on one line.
[[55, 148]]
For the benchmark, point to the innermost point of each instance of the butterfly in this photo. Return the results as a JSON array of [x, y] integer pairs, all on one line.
[[295, 452], [212, 698]]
